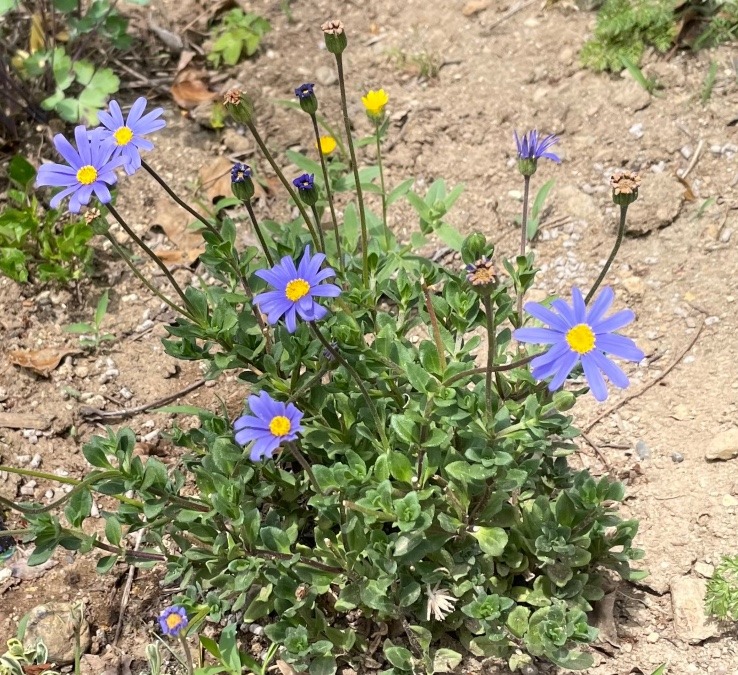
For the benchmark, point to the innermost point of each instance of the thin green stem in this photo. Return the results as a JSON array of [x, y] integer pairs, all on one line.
[[187, 653], [483, 369], [16, 533], [285, 182], [32, 473], [613, 253], [124, 254], [354, 166], [357, 378], [377, 125], [305, 465], [491, 354], [179, 201], [313, 380], [141, 556], [259, 233], [523, 241], [150, 253], [328, 194], [318, 226]]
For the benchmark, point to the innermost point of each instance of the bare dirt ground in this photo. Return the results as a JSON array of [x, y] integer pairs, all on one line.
[[501, 70]]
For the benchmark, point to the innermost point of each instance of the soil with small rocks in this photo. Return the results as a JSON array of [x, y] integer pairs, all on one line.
[[675, 445]]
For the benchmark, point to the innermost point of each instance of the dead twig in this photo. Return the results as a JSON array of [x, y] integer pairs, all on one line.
[[695, 159], [96, 415], [598, 452], [127, 590], [647, 386], [507, 15]]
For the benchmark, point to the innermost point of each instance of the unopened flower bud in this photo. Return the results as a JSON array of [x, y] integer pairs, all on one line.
[[474, 247], [625, 186], [242, 184], [335, 36], [307, 98], [239, 106], [564, 400]]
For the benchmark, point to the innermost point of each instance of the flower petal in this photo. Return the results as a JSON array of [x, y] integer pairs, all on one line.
[[617, 320], [291, 319], [612, 370], [566, 312], [578, 307], [600, 306], [538, 311], [82, 138], [594, 377], [326, 291], [67, 151], [620, 346], [566, 364], [538, 335], [134, 115]]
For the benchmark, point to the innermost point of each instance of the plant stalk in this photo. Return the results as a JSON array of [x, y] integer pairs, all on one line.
[[491, 354], [259, 233], [318, 226], [435, 327], [523, 241], [613, 253], [377, 125], [354, 166], [483, 369], [306, 466]]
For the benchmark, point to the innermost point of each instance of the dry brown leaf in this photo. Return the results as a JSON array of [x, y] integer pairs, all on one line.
[[40, 361], [189, 89], [285, 668], [215, 178], [474, 7], [175, 223], [37, 39], [11, 420]]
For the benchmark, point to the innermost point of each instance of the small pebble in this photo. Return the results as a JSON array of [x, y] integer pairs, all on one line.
[[677, 457], [725, 235], [94, 511], [256, 629], [642, 450], [712, 320], [49, 495], [22, 460], [686, 151], [144, 326], [35, 462], [653, 637], [637, 130], [125, 393], [3, 394]]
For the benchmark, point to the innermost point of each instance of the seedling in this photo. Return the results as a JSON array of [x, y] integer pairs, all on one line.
[[91, 334]]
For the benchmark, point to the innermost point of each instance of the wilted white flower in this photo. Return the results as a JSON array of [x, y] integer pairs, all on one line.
[[440, 603]]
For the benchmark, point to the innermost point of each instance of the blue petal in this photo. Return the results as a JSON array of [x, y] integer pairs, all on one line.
[[291, 319], [82, 138], [566, 312], [136, 111], [594, 377], [566, 364], [326, 291], [264, 447], [580, 310], [617, 320], [620, 346], [538, 335], [600, 306], [245, 436], [259, 405], [67, 151], [545, 315], [613, 371], [546, 363]]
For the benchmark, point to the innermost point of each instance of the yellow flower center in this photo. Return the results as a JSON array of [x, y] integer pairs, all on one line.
[[173, 620], [581, 338], [87, 175], [296, 289], [327, 144], [280, 425], [123, 136]]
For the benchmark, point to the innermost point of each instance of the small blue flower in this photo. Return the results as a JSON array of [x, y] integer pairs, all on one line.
[[531, 146], [89, 169], [173, 620], [304, 91], [127, 136], [304, 182], [271, 424], [575, 335], [240, 172], [296, 290]]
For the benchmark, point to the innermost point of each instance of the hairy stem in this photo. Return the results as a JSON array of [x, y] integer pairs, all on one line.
[[187, 653], [354, 166], [328, 193], [491, 354], [305, 465], [377, 125], [435, 327], [483, 369], [318, 226], [285, 182], [523, 241], [259, 233], [613, 253]]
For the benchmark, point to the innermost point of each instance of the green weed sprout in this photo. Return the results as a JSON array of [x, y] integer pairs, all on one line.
[[91, 334]]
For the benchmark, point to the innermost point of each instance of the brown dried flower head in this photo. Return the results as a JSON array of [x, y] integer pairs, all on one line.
[[233, 96], [625, 186], [91, 215], [482, 274], [332, 27]]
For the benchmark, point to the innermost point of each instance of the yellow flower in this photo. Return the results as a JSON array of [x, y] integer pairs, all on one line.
[[374, 102], [327, 145]]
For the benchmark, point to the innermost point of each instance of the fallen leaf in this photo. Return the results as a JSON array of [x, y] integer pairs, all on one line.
[[170, 40], [9, 420], [37, 39], [474, 7], [285, 668], [189, 89], [215, 178], [175, 223], [40, 361]]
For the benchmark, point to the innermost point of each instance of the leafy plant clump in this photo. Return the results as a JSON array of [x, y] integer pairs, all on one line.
[[38, 243], [385, 495], [624, 29], [239, 34], [722, 590]]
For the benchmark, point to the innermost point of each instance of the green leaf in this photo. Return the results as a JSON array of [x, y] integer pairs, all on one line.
[[323, 665], [13, 264], [105, 564], [450, 236], [445, 660], [21, 171], [113, 530], [405, 429], [400, 191], [102, 308], [400, 466], [79, 328], [468, 473], [517, 621], [661, 670], [492, 540], [275, 539], [7, 5], [573, 660], [399, 657]]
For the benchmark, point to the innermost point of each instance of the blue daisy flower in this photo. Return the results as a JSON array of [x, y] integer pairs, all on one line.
[[90, 169], [580, 335], [296, 290], [271, 424], [533, 146], [173, 620], [127, 136]]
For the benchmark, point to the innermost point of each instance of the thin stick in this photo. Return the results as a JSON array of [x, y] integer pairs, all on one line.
[[598, 452], [127, 590], [482, 369], [694, 161], [259, 233], [491, 350], [328, 193], [354, 166], [647, 386]]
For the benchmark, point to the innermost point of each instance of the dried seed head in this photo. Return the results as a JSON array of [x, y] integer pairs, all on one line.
[[482, 275], [91, 215], [332, 27], [301, 592], [335, 36], [232, 96], [625, 186]]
